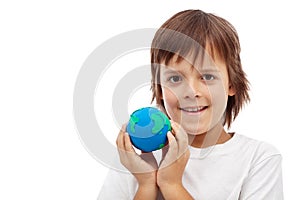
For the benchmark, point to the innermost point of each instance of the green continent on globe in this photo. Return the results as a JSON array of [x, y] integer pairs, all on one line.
[[133, 120], [159, 122], [168, 124]]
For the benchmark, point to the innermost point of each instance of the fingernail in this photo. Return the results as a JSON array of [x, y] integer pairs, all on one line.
[[173, 122]]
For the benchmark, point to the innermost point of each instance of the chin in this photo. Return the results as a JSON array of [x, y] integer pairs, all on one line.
[[195, 130]]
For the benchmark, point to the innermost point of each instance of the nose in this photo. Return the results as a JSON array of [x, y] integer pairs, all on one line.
[[193, 89]]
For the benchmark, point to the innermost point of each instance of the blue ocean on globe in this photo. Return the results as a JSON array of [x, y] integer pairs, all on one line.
[[148, 129]]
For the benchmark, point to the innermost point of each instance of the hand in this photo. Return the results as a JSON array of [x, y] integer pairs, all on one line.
[[175, 158], [143, 167]]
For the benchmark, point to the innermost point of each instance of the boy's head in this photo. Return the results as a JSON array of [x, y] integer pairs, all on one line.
[[192, 36]]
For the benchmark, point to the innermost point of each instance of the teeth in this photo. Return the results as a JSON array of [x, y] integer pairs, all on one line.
[[194, 109]]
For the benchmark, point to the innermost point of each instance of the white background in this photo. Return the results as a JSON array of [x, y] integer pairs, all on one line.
[[43, 45]]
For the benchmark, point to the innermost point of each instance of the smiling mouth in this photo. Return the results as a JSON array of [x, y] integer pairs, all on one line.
[[197, 109]]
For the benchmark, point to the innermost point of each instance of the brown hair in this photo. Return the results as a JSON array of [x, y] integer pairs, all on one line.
[[208, 31]]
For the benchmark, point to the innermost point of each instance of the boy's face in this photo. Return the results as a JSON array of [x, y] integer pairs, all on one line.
[[195, 96]]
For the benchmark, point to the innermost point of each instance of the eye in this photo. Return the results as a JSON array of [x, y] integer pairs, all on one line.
[[175, 79], [208, 77]]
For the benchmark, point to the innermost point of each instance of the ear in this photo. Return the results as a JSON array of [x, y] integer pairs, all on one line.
[[231, 91]]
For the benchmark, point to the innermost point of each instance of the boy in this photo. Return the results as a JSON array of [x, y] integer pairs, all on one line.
[[198, 81]]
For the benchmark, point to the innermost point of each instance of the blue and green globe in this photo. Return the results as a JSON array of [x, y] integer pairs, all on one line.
[[148, 128]]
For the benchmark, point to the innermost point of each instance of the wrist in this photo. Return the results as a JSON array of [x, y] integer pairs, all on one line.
[[170, 186], [148, 183], [149, 191], [148, 186], [146, 179], [175, 191]]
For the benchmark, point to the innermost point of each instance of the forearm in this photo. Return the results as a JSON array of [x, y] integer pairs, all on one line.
[[175, 192], [146, 191]]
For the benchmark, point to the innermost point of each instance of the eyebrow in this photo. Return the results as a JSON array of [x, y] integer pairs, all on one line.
[[209, 70], [201, 71]]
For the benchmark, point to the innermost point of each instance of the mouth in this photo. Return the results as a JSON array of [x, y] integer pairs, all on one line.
[[193, 109]]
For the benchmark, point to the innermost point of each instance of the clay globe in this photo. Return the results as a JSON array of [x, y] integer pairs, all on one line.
[[148, 128]]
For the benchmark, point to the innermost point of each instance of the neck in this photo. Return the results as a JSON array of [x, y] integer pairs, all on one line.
[[216, 135]]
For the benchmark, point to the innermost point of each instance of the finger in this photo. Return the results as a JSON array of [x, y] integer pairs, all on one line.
[[121, 149], [181, 138], [175, 127], [120, 140], [173, 147], [123, 128], [171, 154], [121, 133], [127, 143], [166, 147], [179, 132], [128, 148]]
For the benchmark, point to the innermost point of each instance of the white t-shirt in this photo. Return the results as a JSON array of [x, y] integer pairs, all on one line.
[[240, 169]]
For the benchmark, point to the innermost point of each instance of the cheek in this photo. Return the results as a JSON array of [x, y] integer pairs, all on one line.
[[219, 99], [171, 104], [218, 94], [170, 98]]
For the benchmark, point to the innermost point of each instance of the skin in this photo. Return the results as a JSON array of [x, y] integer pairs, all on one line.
[[195, 99], [206, 87]]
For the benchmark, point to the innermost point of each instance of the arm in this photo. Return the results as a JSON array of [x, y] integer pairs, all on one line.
[[175, 192], [146, 191], [169, 176], [143, 167]]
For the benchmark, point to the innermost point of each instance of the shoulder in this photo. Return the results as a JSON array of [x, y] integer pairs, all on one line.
[[259, 150], [263, 172], [259, 145]]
